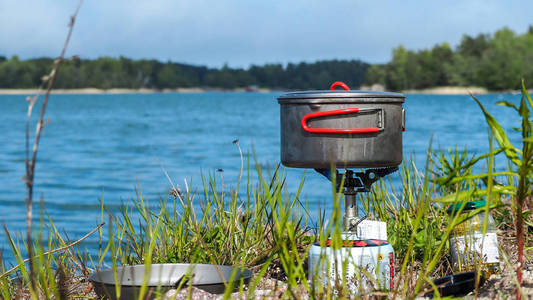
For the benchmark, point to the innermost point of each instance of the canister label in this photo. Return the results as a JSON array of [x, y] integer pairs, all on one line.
[[354, 265], [470, 248], [370, 229]]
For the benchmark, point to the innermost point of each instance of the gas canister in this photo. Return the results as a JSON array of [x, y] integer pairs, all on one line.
[[366, 264]]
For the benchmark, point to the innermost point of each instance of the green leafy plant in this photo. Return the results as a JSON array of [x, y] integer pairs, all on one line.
[[521, 167]]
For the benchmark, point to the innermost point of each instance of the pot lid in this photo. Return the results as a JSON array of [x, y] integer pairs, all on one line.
[[336, 96]]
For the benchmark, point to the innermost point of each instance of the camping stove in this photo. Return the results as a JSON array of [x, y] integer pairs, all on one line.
[[356, 182], [364, 256], [343, 130]]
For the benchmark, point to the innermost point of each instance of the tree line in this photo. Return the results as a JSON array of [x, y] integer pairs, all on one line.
[[107, 72], [495, 62]]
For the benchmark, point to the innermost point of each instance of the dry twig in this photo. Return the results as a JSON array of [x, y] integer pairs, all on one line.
[[30, 162], [55, 250]]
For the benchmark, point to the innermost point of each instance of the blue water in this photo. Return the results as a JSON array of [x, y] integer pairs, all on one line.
[[98, 146]]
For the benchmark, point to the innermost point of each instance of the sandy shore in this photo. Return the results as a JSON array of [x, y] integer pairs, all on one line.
[[446, 90], [449, 90], [121, 91], [99, 91], [442, 90]]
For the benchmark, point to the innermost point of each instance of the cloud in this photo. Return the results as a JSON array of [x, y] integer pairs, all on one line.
[[31, 27], [244, 32]]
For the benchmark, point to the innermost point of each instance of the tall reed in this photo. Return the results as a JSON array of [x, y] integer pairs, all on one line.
[[31, 160]]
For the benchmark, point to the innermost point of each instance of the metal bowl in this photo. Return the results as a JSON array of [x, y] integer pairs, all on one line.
[[163, 277]]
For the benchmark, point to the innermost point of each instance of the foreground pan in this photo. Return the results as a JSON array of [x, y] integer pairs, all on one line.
[[163, 277]]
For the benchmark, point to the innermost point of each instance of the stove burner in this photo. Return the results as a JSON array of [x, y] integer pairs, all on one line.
[[355, 182]]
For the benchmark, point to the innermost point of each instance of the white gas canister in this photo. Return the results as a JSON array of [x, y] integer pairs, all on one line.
[[366, 264]]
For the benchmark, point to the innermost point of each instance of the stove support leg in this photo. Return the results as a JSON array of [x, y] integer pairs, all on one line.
[[350, 209]]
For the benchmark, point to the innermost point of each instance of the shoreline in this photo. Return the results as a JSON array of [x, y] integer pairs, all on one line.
[[440, 90], [114, 91], [446, 90], [453, 90]]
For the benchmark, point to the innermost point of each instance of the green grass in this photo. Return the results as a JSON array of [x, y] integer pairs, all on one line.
[[260, 224], [263, 228]]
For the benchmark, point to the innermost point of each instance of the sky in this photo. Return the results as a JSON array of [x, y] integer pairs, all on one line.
[[241, 33]]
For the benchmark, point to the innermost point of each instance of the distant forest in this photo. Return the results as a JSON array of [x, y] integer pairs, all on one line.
[[495, 62], [109, 72]]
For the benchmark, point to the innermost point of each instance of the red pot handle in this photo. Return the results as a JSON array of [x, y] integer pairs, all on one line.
[[341, 112], [339, 83]]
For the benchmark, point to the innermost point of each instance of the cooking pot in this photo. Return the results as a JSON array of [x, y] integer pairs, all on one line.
[[341, 128]]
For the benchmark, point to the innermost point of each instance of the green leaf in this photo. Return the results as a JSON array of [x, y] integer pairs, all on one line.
[[508, 104], [473, 177], [523, 110], [421, 238], [451, 175], [473, 161], [460, 196], [501, 137], [463, 196], [526, 94]]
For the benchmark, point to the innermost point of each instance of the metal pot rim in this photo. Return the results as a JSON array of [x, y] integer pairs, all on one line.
[[339, 96]]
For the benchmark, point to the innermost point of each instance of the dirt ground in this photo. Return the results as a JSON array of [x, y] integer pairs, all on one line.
[[498, 286]]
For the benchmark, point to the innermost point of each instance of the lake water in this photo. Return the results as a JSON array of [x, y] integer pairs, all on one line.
[[103, 145]]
